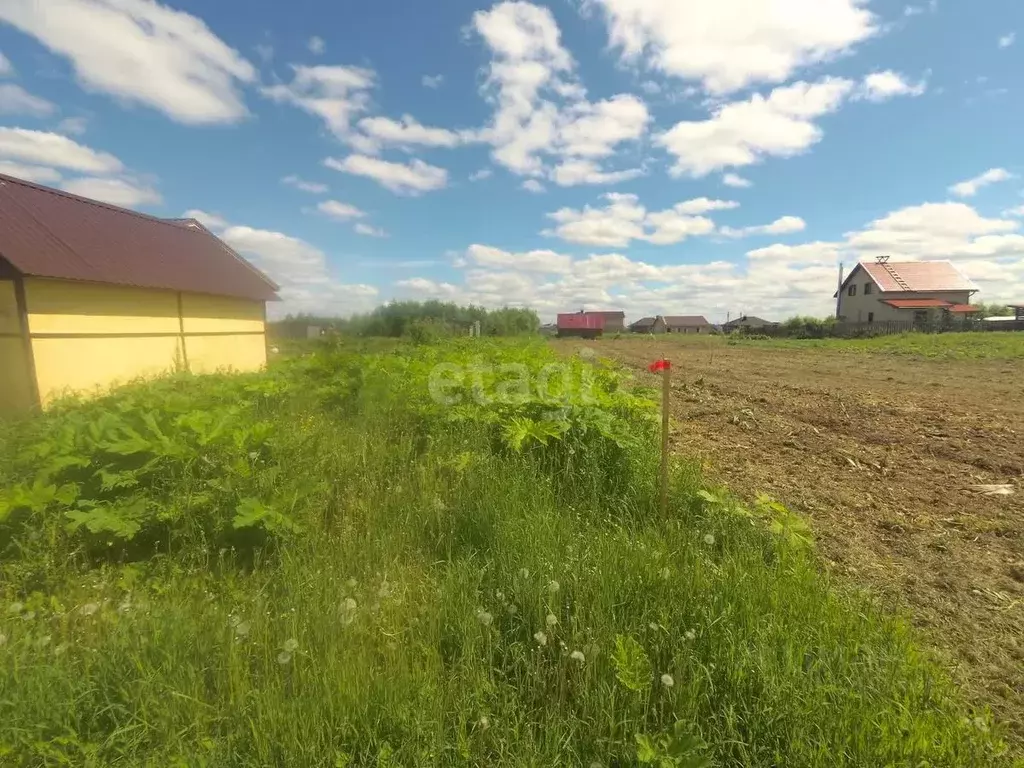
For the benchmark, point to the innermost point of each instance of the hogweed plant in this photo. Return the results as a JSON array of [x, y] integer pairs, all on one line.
[[326, 565]]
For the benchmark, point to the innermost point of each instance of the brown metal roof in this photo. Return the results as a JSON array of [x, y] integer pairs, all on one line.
[[49, 233], [913, 276], [688, 321], [918, 303]]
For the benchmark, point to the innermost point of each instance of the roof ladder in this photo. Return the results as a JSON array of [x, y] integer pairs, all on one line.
[[884, 263]]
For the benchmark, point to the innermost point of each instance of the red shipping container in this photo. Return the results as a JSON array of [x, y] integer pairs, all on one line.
[[591, 321]]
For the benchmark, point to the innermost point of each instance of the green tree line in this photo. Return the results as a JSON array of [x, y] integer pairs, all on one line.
[[417, 319]]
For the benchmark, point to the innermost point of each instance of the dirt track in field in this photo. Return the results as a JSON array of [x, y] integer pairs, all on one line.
[[880, 452]]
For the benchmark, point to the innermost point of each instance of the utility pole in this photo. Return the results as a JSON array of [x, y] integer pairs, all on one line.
[[839, 294]]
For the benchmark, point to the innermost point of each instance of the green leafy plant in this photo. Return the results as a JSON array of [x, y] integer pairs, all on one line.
[[632, 665], [680, 749]]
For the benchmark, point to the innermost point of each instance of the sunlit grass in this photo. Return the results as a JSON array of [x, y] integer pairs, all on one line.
[[446, 600], [999, 345]]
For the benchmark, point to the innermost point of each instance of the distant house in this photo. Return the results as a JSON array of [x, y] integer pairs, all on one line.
[[747, 322], [917, 291], [590, 325], [649, 325], [687, 324], [586, 325], [614, 321], [1018, 310]]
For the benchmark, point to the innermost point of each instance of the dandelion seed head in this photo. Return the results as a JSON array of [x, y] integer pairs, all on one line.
[[283, 658], [709, 539], [540, 637], [524, 573], [242, 629], [125, 606], [290, 645], [667, 680], [28, 615], [60, 649], [234, 621], [500, 595], [15, 608], [690, 635], [578, 656], [484, 618], [653, 626], [665, 573], [553, 586], [551, 620], [89, 609], [511, 610], [351, 583], [484, 723]]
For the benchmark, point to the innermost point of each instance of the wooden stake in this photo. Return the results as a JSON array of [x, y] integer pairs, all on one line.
[[666, 391]]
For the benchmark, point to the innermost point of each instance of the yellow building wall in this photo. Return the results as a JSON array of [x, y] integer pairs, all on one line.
[[207, 321], [86, 337], [57, 306], [15, 378], [208, 354], [9, 320], [92, 365], [218, 314]]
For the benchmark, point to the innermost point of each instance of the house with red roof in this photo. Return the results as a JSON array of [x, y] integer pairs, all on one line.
[[93, 295], [912, 291]]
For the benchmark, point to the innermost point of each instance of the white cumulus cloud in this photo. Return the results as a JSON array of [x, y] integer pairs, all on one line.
[[143, 52], [970, 187], [362, 228], [339, 210], [732, 44], [407, 133], [121, 192], [624, 219], [541, 113], [37, 173], [308, 282], [335, 94], [411, 178], [15, 100], [54, 150], [313, 187], [882, 86], [737, 181], [781, 226], [742, 133]]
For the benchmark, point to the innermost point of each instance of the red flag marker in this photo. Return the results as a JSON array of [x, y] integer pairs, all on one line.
[[665, 368]]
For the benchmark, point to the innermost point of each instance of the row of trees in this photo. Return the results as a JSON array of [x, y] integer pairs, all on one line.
[[805, 327], [418, 319]]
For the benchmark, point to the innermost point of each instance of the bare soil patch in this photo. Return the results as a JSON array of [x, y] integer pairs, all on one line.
[[881, 453]]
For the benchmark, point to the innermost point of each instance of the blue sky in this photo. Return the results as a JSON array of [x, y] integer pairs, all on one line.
[[659, 156]]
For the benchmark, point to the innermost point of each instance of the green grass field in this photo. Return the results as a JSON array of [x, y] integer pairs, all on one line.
[[1004, 345], [326, 566]]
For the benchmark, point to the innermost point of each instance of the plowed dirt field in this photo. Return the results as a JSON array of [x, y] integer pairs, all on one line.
[[883, 454]]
